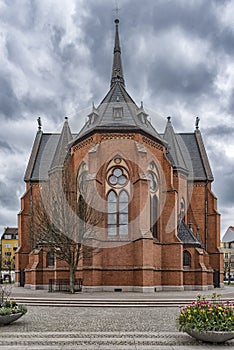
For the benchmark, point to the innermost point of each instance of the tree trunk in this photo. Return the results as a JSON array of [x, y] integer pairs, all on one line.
[[72, 280]]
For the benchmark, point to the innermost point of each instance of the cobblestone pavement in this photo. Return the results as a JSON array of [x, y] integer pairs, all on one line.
[[102, 328], [49, 328]]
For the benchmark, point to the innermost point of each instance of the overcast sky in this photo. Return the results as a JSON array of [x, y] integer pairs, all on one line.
[[56, 57]]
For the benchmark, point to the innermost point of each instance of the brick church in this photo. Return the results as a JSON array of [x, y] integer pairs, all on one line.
[[159, 228]]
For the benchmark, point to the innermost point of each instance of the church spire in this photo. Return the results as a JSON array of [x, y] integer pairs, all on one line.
[[117, 72]]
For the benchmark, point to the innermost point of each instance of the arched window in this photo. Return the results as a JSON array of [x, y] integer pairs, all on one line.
[[118, 188], [50, 258], [186, 258], [154, 189], [112, 213], [152, 181], [117, 213], [154, 216], [182, 209], [123, 213]]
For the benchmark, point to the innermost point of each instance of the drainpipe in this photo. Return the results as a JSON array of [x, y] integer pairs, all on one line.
[[206, 214], [31, 215]]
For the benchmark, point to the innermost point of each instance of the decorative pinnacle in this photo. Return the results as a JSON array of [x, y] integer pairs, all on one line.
[[197, 123], [39, 123], [169, 119]]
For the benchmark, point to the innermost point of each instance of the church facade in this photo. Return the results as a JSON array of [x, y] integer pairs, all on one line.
[[159, 228]]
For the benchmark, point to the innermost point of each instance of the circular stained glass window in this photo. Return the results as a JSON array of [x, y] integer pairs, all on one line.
[[117, 178], [113, 180], [117, 172], [122, 180]]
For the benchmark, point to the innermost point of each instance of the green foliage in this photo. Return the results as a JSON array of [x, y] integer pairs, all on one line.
[[9, 306], [207, 315]]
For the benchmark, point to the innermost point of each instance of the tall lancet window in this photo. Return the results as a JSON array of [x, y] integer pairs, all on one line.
[[153, 177], [112, 211], [154, 216], [123, 213], [117, 186]]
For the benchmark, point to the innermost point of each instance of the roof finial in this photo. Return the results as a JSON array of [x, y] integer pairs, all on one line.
[[116, 9], [39, 123], [117, 72], [197, 123]]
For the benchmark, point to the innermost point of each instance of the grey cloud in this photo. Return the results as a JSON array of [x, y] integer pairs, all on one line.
[[224, 183], [220, 130], [180, 80], [21, 13], [230, 107], [6, 201], [5, 146], [9, 105], [223, 167]]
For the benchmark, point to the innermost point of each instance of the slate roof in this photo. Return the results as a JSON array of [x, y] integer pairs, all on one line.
[[229, 235], [62, 146], [131, 117], [186, 235], [195, 156], [191, 148], [175, 153], [119, 113]]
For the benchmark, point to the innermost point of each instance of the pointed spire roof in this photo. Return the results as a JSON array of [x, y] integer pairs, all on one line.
[[35, 149], [61, 150], [175, 154], [117, 71], [118, 112]]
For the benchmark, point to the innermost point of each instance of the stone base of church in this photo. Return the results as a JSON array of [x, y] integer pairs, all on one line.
[[197, 287], [137, 289]]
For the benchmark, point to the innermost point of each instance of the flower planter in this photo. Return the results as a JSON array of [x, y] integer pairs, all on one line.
[[211, 336], [208, 320], [7, 319]]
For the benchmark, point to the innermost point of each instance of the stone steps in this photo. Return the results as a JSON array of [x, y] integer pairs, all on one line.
[[97, 340], [37, 301]]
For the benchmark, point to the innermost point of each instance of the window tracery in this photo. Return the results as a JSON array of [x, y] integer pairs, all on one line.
[[117, 185]]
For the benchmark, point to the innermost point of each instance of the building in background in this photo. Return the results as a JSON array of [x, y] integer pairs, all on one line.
[[227, 245], [9, 245], [160, 228]]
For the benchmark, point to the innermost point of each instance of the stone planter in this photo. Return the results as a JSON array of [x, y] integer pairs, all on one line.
[[211, 336], [7, 319]]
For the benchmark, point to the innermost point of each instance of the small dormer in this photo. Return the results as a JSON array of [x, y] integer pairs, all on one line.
[[142, 115], [92, 117]]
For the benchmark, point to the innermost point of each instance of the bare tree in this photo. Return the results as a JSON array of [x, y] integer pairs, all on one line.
[[66, 223]]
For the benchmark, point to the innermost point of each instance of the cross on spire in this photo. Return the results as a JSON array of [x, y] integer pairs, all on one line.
[[116, 9]]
